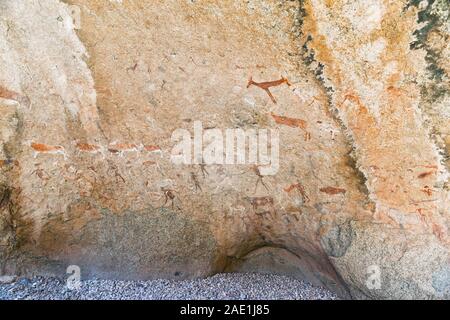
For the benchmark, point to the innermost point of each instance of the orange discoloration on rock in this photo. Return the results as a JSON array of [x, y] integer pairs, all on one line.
[[8, 94], [332, 190], [377, 118], [41, 147], [291, 122], [364, 125], [352, 98]]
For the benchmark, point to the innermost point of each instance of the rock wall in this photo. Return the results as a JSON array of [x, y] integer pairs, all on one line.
[[92, 91]]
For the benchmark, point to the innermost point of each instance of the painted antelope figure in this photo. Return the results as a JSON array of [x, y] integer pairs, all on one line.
[[13, 97], [89, 148], [41, 148], [300, 188], [122, 148], [153, 149], [266, 85], [293, 123], [8, 94]]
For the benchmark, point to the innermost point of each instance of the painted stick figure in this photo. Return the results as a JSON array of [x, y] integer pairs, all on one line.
[[260, 177]]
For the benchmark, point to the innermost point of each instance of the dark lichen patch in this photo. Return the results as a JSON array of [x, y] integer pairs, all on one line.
[[308, 58], [433, 92], [12, 146], [352, 163], [425, 15], [8, 221], [317, 67], [432, 37], [338, 239], [305, 53], [434, 21]]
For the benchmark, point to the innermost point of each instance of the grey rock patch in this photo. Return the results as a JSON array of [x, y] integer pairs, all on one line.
[[441, 281], [7, 279], [148, 244], [406, 267]]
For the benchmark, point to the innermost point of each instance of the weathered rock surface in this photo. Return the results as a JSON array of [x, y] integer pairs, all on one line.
[[360, 203]]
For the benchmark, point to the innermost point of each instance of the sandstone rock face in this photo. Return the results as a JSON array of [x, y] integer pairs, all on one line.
[[92, 91]]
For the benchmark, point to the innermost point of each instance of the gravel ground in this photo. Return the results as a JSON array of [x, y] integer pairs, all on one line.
[[232, 286]]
